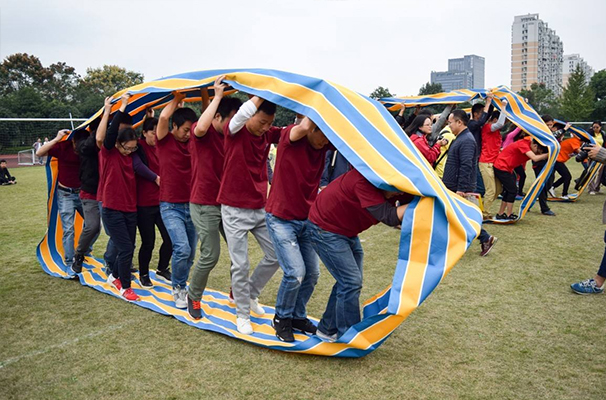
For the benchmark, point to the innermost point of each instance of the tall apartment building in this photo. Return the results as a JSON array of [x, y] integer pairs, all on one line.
[[463, 73], [570, 64], [536, 54]]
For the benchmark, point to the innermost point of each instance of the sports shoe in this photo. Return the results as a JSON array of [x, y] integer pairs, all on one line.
[[488, 245], [565, 197], [512, 217], [129, 294], [145, 281], [588, 286], [592, 193], [549, 213], [501, 216], [255, 307], [243, 325], [326, 337], [283, 327], [304, 325], [552, 192], [114, 282], [194, 308], [165, 274], [77, 264], [179, 298]]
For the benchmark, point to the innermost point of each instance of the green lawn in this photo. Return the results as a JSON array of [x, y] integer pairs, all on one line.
[[502, 327]]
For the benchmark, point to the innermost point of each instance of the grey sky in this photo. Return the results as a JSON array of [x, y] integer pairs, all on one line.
[[360, 44]]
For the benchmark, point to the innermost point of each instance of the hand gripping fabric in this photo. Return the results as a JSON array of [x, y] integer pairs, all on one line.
[[517, 111], [437, 229]]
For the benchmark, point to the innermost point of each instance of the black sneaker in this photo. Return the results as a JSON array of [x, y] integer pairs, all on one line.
[[304, 325], [283, 327], [77, 264], [501, 216], [194, 308], [164, 274], [512, 217], [145, 281]]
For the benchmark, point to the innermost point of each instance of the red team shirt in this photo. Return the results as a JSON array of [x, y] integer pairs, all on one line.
[[119, 188], [491, 144], [69, 164], [341, 207], [207, 158], [297, 176], [244, 181], [175, 169], [148, 192], [513, 156]]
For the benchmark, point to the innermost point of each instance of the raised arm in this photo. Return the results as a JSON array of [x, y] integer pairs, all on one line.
[[112, 132], [163, 128], [42, 151], [437, 127], [501, 121], [207, 116], [300, 131], [102, 129], [246, 111]]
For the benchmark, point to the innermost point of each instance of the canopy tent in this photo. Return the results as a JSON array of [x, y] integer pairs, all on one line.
[[517, 111], [437, 228]]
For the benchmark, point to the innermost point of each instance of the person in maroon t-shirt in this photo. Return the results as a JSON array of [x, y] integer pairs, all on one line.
[[299, 166], [207, 156], [510, 158], [347, 207], [242, 195], [68, 186], [175, 174]]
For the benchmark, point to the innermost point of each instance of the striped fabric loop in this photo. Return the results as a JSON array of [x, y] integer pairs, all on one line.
[[438, 226], [517, 111]]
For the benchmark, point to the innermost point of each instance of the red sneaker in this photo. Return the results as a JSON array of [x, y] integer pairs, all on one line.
[[130, 295], [115, 282]]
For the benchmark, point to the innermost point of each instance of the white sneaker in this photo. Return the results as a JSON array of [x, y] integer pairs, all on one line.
[[255, 307], [244, 326], [552, 192], [592, 193], [325, 337], [565, 198], [179, 297]]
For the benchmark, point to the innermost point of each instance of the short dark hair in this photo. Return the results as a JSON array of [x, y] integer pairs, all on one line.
[[80, 135], [416, 124], [149, 124], [546, 118], [461, 116], [478, 107], [183, 115], [228, 105], [126, 135], [495, 115], [267, 107], [542, 149], [126, 119], [3, 160]]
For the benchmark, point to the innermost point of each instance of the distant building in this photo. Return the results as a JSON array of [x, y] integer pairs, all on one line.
[[536, 54], [463, 73], [570, 64]]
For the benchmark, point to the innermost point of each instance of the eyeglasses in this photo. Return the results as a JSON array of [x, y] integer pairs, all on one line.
[[129, 149]]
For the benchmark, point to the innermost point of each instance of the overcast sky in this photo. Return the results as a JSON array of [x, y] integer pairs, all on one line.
[[360, 44]]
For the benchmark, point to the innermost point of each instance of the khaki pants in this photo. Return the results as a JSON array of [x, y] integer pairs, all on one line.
[[492, 186]]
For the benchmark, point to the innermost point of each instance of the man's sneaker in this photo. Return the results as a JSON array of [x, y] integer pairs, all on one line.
[[114, 282], [231, 297], [588, 286], [548, 213], [552, 192], [165, 274], [77, 264], [243, 325], [512, 217], [591, 192], [326, 337], [255, 307], [283, 327], [488, 245], [129, 294], [565, 197], [179, 296], [304, 325], [194, 308], [145, 281]]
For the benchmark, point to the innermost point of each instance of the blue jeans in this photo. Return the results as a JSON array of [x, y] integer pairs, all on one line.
[[343, 258], [182, 233], [68, 204], [299, 263]]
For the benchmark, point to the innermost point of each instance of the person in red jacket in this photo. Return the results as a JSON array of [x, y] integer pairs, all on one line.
[[419, 131]]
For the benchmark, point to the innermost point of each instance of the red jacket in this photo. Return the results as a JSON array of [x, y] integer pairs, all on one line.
[[430, 153]]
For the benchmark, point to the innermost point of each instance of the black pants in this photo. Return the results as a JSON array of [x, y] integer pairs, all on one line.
[[565, 177], [508, 180], [602, 270], [537, 167], [122, 228], [521, 173], [147, 220]]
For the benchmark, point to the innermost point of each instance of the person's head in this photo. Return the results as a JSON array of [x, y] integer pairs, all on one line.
[[227, 109], [78, 136], [126, 122], [494, 116], [183, 118], [596, 127], [537, 148], [3, 163], [549, 121], [126, 143], [457, 121], [421, 123], [260, 123], [148, 131], [317, 139], [46, 139], [39, 140], [476, 110]]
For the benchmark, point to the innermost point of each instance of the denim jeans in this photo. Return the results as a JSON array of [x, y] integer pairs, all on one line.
[[122, 228], [299, 263], [92, 226], [182, 232], [343, 258], [68, 204]]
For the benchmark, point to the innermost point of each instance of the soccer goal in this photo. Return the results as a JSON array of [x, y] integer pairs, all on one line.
[[26, 157]]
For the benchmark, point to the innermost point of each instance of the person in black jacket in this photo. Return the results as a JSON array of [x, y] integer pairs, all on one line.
[[5, 177], [460, 171], [335, 165]]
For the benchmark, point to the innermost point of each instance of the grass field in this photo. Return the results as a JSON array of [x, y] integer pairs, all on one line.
[[502, 327]]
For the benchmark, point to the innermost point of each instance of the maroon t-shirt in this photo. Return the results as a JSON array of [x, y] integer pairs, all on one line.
[[119, 190], [69, 163], [341, 207], [148, 192], [297, 176], [84, 195], [175, 169], [244, 181], [207, 157]]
